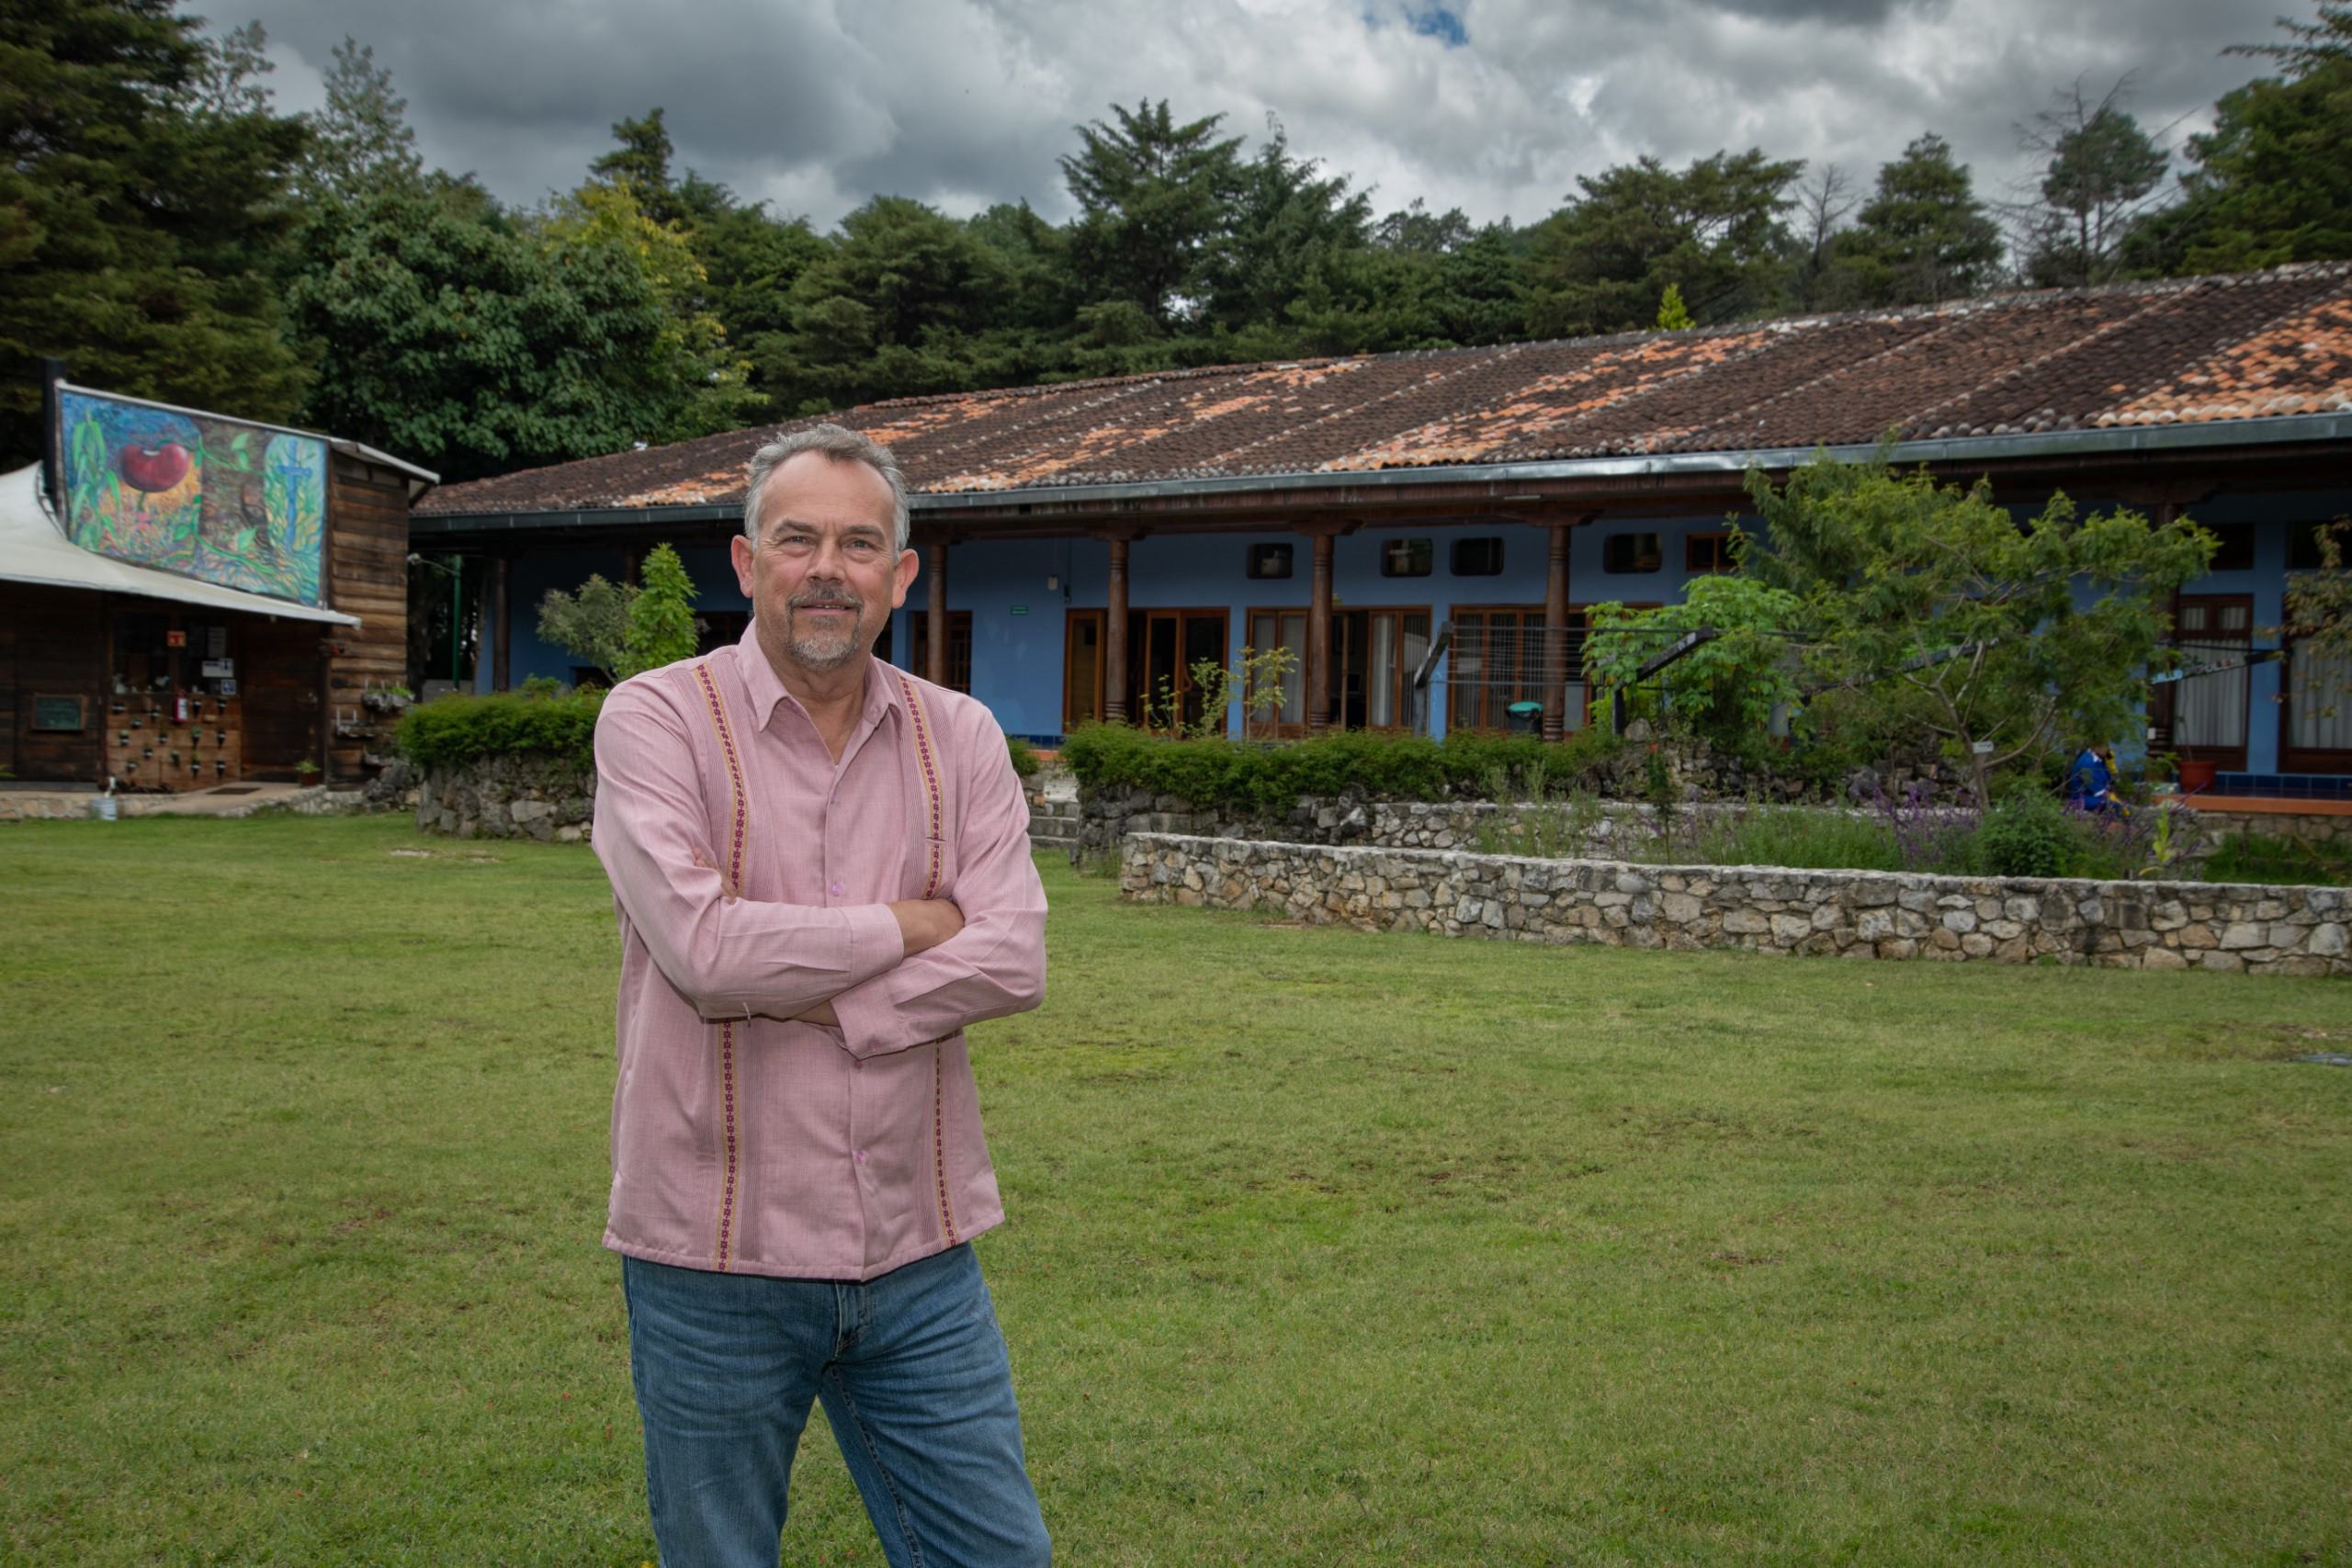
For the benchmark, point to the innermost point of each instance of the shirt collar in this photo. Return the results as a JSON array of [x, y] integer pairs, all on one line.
[[767, 690]]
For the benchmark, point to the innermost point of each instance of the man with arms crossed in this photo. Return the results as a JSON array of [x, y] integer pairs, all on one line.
[[821, 866]]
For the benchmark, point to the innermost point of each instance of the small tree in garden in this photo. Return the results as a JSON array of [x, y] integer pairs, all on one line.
[[1256, 677], [2015, 638], [661, 616], [1727, 686], [591, 624]]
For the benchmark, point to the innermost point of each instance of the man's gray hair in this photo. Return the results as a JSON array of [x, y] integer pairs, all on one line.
[[843, 446]]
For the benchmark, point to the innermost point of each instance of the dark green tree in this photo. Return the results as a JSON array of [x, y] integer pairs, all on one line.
[[1288, 220], [1153, 199], [472, 348], [1965, 615], [1922, 238], [1481, 295], [641, 163], [1715, 229], [898, 306], [1417, 229], [361, 141], [2101, 174], [143, 198], [2272, 181]]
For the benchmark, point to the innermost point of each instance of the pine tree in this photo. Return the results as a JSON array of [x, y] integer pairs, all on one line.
[[1154, 198], [141, 208], [2272, 181], [1673, 316], [1922, 238], [2102, 176]]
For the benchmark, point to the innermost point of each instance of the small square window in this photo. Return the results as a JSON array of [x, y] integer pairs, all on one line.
[[1478, 558], [1269, 560], [2236, 550], [1407, 558], [2302, 544], [1705, 553], [1631, 552]]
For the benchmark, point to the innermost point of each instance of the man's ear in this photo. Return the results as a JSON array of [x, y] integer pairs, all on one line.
[[903, 576], [739, 551]]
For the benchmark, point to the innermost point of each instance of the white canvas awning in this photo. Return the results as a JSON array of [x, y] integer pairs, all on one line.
[[33, 548]]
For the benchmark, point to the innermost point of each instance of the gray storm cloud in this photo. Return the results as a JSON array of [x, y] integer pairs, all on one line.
[[815, 106]]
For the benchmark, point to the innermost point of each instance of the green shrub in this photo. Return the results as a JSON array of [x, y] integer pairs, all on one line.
[[1025, 760], [1268, 779], [455, 729], [2260, 857], [661, 618], [1801, 837], [2027, 835]]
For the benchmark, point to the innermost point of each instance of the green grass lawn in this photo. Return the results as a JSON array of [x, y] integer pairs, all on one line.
[[1325, 1247]]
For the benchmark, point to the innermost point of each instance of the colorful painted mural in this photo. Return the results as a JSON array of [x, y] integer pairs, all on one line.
[[236, 504]]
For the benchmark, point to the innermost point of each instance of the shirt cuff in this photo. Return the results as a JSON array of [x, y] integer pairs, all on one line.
[[876, 944], [866, 1015]]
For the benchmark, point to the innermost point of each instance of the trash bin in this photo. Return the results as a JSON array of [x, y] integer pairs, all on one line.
[[1526, 718]]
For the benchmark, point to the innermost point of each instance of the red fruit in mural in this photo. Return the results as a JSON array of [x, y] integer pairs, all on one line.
[[152, 468]]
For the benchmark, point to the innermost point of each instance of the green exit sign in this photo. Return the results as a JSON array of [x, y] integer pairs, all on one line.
[[1020, 609]]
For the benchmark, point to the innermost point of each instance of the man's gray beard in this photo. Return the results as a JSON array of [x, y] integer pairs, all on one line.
[[811, 654]]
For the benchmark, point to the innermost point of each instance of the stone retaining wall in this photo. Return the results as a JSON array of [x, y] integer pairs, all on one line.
[[508, 797], [1850, 914], [1601, 829]]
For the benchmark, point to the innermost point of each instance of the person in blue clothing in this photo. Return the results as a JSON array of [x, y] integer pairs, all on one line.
[[2090, 781]]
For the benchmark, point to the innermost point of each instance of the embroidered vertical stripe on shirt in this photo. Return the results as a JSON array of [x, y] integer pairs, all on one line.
[[731, 883], [930, 766]]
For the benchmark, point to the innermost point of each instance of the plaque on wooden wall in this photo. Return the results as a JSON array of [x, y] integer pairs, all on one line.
[[67, 714]]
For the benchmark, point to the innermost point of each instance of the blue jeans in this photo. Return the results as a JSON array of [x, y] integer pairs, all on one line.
[[911, 1369]]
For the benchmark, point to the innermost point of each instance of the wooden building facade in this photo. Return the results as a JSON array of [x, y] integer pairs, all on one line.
[[115, 670]]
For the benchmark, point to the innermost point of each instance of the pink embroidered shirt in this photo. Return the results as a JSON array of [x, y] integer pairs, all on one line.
[[750, 874]]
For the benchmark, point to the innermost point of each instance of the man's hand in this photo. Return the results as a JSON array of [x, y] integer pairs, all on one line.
[[924, 924]]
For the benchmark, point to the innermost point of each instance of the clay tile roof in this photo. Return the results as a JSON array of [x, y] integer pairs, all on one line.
[[2257, 345]]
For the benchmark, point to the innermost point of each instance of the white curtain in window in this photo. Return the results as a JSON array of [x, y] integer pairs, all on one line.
[[2321, 702], [1294, 678], [1380, 675], [2211, 709]]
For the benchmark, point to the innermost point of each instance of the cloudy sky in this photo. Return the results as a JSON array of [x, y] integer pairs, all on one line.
[[1493, 106]]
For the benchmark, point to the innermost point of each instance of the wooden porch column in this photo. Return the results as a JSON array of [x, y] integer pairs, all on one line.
[[935, 620], [1319, 638], [1115, 638], [1555, 634], [501, 624]]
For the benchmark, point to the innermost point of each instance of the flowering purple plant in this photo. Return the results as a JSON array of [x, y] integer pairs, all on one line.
[[1927, 836]]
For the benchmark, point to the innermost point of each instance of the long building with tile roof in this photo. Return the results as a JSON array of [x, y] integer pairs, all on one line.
[[2230, 397]]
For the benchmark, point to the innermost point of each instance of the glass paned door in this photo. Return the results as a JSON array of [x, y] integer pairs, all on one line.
[[1163, 646], [1082, 669], [2319, 712], [2209, 711], [1271, 630]]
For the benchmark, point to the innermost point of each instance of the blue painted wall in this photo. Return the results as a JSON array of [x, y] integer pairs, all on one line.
[[1018, 622]]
